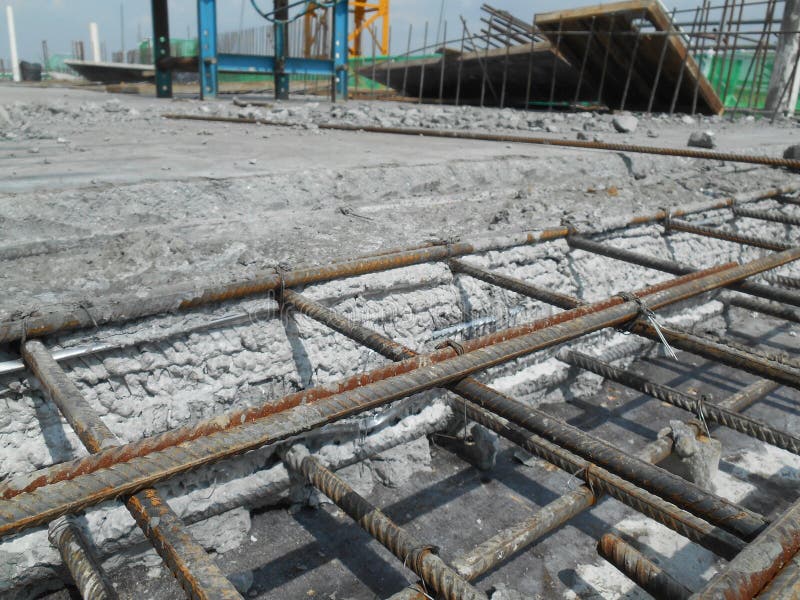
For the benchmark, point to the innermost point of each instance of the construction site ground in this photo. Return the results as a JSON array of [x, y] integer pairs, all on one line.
[[102, 195]]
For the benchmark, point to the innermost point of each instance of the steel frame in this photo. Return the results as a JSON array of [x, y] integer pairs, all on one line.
[[758, 549], [281, 65]]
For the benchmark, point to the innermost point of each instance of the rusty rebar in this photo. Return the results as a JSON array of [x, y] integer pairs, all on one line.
[[755, 566], [421, 557], [45, 504], [726, 235], [766, 215], [86, 572], [695, 405], [196, 572], [659, 264], [466, 135], [68, 470], [590, 448], [644, 572]]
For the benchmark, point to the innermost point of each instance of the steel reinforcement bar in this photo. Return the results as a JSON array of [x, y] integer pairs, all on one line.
[[766, 215], [725, 235], [755, 566], [491, 137], [508, 542], [42, 321], [706, 410], [194, 569], [644, 572], [589, 452], [69, 496], [111, 456], [418, 556], [675, 268]]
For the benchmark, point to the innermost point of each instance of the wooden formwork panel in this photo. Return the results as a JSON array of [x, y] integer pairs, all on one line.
[[621, 61]]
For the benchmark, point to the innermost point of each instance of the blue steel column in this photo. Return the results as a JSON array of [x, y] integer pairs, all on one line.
[[160, 47], [207, 46], [339, 51], [281, 45]]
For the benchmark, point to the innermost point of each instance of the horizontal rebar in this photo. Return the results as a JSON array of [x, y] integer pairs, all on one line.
[[766, 215], [69, 496], [644, 572], [755, 566], [726, 235], [420, 557], [70, 469], [590, 448], [194, 569], [491, 137], [697, 406], [668, 266], [46, 320]]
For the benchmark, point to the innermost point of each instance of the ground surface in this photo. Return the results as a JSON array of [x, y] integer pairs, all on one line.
[[99, 193], [102, 194]]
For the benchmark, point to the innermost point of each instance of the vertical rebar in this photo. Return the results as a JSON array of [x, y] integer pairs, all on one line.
[[505, 67], [443, 62], [583, 62], [633, 62], [603, 72], [530, 65], [460, 64], [408, 52], [665, 42], [486, 59], [556, 56], [702, 32], [422, 68]]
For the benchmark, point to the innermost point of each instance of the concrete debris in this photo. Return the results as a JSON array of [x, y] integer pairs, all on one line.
[[700, 454], [625, 123], [395, 467], [223, 532], [792, 152], [702, 139], [502, 592]]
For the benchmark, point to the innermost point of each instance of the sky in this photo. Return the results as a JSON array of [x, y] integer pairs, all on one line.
[[62, 21]]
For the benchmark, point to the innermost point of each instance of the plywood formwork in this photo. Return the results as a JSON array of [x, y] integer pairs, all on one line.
[[507, 76], [625, 63]]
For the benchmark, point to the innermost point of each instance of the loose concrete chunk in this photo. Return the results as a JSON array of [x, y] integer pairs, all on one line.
[[792, 152], [625, 123], [699, 453], [702, 139]]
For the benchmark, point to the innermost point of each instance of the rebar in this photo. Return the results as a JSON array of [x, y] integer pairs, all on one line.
[[490, 137], [196, 572], [573, 439], [697, 406], [650, 577], [86, 572], [30, 481], [766, 215], [47, 503], [726, 235], [755, 566], [418, 556]]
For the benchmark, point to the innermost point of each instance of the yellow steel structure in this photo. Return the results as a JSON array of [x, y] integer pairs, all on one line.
[[369, 16]]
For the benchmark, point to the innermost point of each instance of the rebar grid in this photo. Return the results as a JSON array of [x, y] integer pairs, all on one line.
[[702, 517]]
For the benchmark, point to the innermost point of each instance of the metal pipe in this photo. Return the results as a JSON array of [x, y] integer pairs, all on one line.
[[43, 505], [196, 572], [571, 438], [728, 236], [490, 137], [766, 215], [697, 406], [644, 572], [86, 572], [755, 566], [417, 555]]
